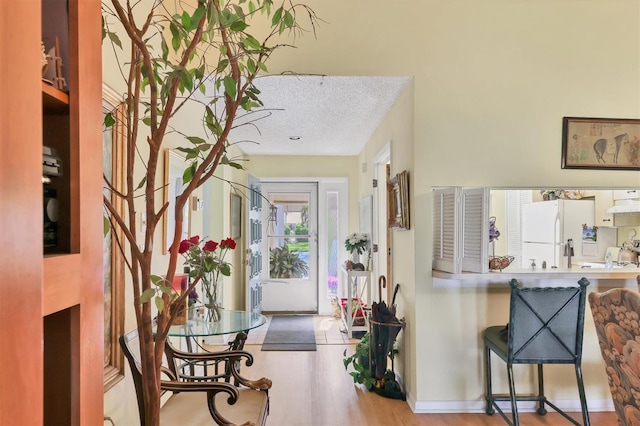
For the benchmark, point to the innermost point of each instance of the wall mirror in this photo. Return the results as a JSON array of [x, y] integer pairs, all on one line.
[[174, 167], [113, 144]]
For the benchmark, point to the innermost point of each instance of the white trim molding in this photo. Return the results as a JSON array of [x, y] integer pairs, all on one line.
[[478, 406]]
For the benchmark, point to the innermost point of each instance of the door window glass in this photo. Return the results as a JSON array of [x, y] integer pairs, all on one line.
[[288, 235]]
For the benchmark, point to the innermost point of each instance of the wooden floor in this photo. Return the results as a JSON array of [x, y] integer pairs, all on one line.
[[313, 389]]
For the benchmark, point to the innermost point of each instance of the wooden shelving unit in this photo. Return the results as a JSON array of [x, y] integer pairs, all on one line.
[[51, 321]]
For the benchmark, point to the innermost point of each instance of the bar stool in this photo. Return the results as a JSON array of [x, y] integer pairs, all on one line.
[[545, 327]]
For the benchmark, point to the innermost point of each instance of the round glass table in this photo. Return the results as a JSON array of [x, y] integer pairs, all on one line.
[[230, 322]]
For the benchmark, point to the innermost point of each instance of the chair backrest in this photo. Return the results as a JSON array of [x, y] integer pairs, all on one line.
[[616, 314], [546, 324], [131, 348]]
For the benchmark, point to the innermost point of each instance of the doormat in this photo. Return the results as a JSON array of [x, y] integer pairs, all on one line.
[[290, 333]]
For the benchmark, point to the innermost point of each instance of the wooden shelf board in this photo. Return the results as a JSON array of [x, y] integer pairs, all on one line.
[[54, 100], [62, 285]]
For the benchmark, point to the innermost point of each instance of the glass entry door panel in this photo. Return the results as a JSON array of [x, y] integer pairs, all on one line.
[[290, 283], [253, 259]]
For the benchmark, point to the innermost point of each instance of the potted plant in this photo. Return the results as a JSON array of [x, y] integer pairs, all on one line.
[[172, 57], [359, 361]]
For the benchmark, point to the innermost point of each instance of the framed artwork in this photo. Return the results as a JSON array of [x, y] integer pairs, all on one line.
[[236, 216], [398, 201], [113, 144], [174, 167], [600, 143]]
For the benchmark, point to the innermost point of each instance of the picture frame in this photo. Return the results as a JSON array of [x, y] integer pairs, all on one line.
[[600, 143], [113, 142], [398, 201], [236, 216]]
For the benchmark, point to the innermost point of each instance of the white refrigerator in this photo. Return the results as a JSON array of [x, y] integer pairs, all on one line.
[[546, 227]]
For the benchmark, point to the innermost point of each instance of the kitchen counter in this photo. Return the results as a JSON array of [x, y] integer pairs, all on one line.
[[628, 274]]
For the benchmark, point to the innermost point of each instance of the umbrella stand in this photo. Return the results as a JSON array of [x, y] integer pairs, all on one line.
[[382, 339]]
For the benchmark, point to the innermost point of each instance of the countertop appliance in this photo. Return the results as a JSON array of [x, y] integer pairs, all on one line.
[[548, 225]]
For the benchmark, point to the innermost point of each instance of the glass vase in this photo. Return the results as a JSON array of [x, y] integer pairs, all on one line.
[[211, 303], [213, 309]]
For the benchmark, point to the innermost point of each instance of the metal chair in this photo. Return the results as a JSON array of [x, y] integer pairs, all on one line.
[[545, 327], [203, 365], [202, 402]]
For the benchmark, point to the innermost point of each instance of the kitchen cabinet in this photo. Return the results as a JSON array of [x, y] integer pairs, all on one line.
[[603, 201], [626, 194]]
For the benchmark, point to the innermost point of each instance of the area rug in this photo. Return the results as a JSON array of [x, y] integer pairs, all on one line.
[[290, 333]]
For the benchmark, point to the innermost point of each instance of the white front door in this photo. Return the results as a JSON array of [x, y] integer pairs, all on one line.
[[290, 226]]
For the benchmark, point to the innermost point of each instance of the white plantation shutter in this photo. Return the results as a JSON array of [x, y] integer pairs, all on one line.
[[475, 230], [461, 229], [445, 233]]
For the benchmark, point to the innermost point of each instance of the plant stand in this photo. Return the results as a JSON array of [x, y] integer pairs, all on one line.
[[356, 293]]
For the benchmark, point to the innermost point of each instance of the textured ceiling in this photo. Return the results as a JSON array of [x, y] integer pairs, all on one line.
[[331, 115]]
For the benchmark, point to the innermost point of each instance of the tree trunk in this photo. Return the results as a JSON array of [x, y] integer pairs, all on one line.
[[150, 382], [151, 401]]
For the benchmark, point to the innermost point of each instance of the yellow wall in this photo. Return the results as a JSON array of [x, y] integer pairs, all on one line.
[[492, 81], [397, 131]]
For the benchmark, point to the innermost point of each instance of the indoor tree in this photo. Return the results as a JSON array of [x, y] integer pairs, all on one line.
[[175, 52]]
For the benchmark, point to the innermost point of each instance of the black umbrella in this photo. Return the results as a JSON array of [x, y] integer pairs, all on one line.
[[384, 330]]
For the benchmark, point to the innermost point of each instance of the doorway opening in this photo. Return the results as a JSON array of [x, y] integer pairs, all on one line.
[[290, 227], [381, 234], [304, 220]]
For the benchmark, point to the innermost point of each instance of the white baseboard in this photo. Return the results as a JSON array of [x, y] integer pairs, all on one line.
[[478, 406]]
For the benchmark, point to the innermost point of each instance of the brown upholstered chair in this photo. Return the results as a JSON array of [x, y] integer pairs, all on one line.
[[616, 314], [204, 402]]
